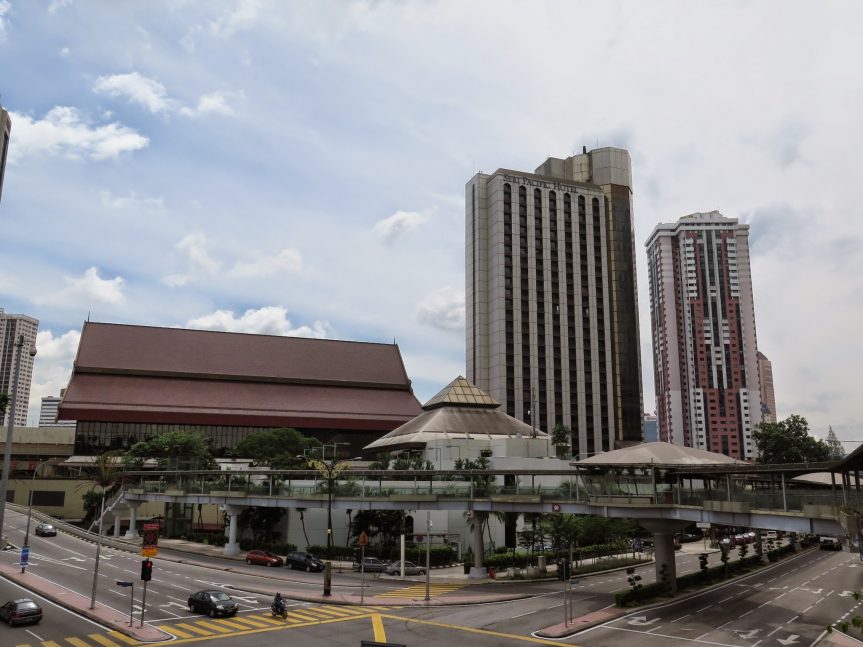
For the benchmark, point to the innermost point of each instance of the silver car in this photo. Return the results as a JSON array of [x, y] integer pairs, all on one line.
[[394, 568]]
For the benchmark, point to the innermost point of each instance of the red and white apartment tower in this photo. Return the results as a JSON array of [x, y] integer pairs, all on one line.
[[705, 354]]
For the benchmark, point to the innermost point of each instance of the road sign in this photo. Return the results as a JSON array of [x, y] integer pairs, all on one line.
[[25, 556], [555, 507], [150, 542], [363, 539], [703, 524]]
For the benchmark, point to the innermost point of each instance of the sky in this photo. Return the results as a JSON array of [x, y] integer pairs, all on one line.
[[298, 168]]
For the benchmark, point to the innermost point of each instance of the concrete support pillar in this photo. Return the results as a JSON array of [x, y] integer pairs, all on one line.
[[663, 542], [132, 532], [478, 570], [117, 518], [232, 547]]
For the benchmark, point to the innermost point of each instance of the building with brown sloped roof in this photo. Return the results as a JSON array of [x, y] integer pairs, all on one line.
[[131, 382]]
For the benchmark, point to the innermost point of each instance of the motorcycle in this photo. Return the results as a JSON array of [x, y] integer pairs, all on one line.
[[279, 610]]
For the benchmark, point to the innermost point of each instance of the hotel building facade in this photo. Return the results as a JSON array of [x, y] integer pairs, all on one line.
[[552, 318], [708, 393]]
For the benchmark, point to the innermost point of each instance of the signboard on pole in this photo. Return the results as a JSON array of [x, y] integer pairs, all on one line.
[[703, 524], [363, 539], [25, 556], [150, 543]]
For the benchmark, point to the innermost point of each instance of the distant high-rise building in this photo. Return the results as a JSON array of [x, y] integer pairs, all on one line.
[[552, 317], [768, 397], [708, 394], [11, 328], [48, 412], [651, 428], [5, 133]]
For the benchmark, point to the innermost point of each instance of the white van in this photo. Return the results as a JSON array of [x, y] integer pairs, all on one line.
[[771, 534]]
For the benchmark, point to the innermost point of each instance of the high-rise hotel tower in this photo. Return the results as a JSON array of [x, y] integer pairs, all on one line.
[[704, 346], [552, 317]]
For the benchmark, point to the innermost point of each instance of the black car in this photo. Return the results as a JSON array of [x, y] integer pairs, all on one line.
[[46, 530], [304, 562], [21, 612], [213, 603]]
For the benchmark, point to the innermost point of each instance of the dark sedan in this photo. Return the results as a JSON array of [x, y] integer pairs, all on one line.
[[370, 565], [21, 612], [213, 603], [46, 530], [304, 562]]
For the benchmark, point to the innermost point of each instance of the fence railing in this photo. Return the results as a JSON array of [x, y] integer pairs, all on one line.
[[791, 499]]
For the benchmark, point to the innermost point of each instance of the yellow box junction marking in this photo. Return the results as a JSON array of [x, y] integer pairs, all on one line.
[[378, 628]]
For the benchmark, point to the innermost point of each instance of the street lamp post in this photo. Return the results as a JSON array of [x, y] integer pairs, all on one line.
[[329, 470], [7, 455], [30, 510]]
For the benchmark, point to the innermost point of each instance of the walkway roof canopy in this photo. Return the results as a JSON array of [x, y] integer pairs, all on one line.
[[659, 454]]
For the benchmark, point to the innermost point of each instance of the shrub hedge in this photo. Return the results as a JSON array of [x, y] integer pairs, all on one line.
[[440, 555]]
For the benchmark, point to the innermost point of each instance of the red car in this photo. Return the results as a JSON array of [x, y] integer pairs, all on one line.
[[264, 557]]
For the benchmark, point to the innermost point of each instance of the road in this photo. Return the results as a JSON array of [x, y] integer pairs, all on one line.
[[789, 604], [69, 562]]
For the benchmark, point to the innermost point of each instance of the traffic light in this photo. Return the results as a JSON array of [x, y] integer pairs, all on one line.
[[564, 569], [146, 570], [702, 562]]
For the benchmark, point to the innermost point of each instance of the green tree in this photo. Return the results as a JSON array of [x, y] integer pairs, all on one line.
[[172, 449], [262, 522], [276, 448], [385, 524], [837, 453], [561, 438], [788, 441]]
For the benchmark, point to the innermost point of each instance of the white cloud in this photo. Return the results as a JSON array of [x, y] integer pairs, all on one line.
[[268, 320], [86, 289], [286, 261], [64, 52], [136, 88], [242, 16], [63, 132], [443, 308], [198, 259], [53, 365], [131, 201], [213, 103], [398, 224], [58, 4], [5, 6]]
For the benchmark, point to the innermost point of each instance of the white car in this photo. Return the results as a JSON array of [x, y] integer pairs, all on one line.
[[394, 568]]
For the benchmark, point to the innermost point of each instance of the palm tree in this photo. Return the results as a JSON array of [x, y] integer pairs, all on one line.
[[105, 474], [303, 524]]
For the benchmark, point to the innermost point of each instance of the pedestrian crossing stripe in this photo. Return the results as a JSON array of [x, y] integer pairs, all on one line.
[[102, 640], [116, 635], [420, 589], [236, 624]]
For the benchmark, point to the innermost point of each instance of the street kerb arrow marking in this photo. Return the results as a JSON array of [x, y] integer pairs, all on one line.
[[642, 621], [790, 640], [746, 635], [74, 559]]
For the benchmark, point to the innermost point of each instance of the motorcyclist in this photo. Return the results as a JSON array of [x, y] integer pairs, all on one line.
[[278, 603]]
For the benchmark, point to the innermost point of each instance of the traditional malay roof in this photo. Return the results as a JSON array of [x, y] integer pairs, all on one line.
[[125, 373]]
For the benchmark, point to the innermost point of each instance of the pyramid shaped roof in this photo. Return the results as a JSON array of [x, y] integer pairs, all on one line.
[[461, 392]]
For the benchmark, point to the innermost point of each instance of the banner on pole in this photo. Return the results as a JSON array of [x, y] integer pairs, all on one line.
[[150, 543]]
